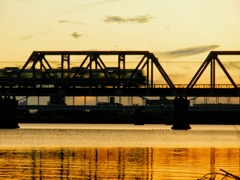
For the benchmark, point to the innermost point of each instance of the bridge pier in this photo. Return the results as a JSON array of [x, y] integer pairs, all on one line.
[[180, 114], [8, 112], [139, 119]]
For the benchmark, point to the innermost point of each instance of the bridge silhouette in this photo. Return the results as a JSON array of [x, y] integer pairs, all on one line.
[[92, 77]]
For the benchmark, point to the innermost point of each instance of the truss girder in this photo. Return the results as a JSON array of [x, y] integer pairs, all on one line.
[[161, 70], [94, 61], [226, 73], [211, 59], [199, 72]]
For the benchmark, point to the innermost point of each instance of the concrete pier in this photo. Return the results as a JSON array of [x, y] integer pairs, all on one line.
[[8, 112], [180, 114], [139, 119]]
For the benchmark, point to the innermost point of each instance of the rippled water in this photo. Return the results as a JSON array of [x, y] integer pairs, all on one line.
[[82, 151]]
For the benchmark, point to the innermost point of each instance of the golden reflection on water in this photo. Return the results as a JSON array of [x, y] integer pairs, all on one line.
[[116, 163]]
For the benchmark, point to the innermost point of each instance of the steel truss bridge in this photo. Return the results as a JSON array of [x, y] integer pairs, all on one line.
[[41, 80]]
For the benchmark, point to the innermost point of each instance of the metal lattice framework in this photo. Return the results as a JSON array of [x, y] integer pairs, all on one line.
[[211, 59], [82, 81], [92, 61]]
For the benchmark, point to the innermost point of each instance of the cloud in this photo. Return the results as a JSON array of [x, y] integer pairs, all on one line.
[[231, 65], [69, 22], [185, 51], [137, 19], [76, 35], [85, 6], [98, 2], [29, 36], [180, 76], [64, 21]]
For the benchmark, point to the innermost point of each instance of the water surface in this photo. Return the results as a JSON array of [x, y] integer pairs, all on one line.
[[106, 151]]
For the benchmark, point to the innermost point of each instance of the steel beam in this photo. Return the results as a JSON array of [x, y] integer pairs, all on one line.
[[192, 92], [211, 58]]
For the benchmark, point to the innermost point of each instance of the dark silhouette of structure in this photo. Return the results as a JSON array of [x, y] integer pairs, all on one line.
[[180, 115], [93, 77], [8, 112]]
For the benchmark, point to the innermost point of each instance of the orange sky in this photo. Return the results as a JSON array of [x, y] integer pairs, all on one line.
[[179, 33]]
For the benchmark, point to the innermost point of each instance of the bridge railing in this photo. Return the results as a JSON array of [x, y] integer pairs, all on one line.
[[195, 86]]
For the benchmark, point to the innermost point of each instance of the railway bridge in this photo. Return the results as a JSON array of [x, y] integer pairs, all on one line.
[[106, 73]]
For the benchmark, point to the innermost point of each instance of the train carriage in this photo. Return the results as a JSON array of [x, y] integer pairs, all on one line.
[[72, 77]]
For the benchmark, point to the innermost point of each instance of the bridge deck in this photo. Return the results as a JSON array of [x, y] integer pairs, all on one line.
[[200, 92], [128, 108]]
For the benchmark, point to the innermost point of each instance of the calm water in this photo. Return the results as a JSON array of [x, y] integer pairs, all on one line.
[[88, 151]]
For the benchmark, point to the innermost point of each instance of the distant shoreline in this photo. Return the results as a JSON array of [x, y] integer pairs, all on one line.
[[127, 117]]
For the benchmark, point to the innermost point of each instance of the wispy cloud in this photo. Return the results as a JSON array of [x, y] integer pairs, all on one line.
[[185, 51], [29, 36], [70, 22], [231, 65], [98, 2], [178, 76], [76, 35], [137, 19]]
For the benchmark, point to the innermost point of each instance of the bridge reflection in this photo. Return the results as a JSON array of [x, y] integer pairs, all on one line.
[[116, 163]]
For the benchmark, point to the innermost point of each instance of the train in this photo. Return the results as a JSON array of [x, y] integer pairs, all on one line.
[[74, 76]]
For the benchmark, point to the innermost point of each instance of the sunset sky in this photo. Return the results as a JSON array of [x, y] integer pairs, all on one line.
[[180, 33]]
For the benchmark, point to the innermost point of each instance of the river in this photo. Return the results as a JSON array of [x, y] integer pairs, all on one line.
[[117, 151]]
